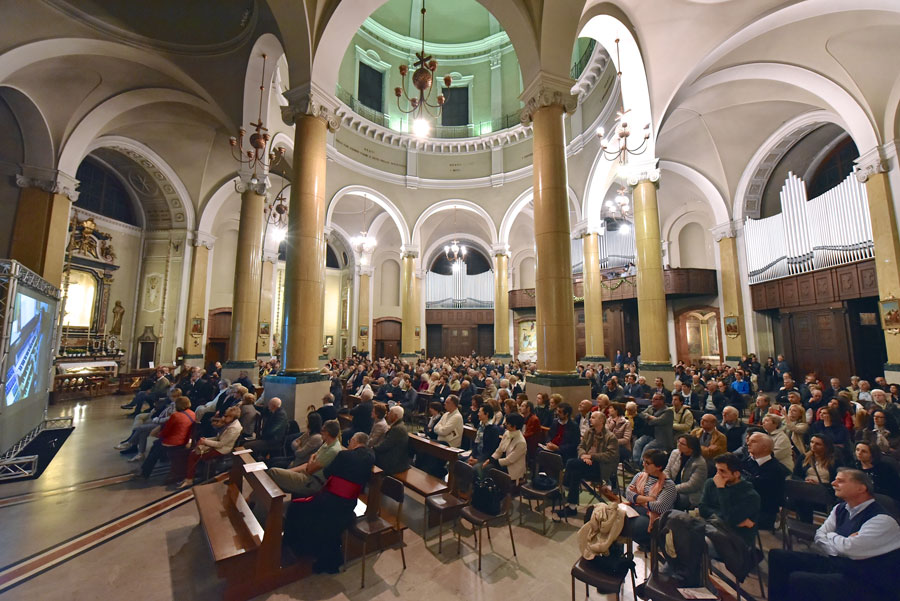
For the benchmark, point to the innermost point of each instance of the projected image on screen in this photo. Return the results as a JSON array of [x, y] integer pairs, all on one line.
[[29, 337]]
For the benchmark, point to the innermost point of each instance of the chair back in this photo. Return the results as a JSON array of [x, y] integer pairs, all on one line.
[[393, 489], [505, 484], [463, 476], [808, 492], [551, 463], [889, 504]]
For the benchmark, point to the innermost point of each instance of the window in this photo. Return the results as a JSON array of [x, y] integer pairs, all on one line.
[[371, 87], [80, 297], [456, 106], [101, 192]]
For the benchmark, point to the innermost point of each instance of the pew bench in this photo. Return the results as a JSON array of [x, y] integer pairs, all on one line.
[[247, 554], [425, 484]]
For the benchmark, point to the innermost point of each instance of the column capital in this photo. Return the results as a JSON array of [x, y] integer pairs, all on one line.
[[639, 172], [248, 181], [869, 164], [204, 239], [365, 270], [409, 251], [48, 180], [729, 229], [547, 90], [312, 101], [500, 249], [420, 274], [584, 228], [270, 256]]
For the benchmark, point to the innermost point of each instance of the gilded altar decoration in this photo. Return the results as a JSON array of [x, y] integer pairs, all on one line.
[[85, 239]]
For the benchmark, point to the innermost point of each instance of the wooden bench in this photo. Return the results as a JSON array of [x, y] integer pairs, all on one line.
[[248, 554], [422, 483]]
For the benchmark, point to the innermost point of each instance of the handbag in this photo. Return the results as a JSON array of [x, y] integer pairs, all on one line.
[[542, 481], [486, 496]]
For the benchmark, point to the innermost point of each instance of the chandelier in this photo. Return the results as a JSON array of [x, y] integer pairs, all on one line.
[[260, 154], [362, 243], [455, 252], [619, 210], [277, 215], [618, 149], [422, 79]]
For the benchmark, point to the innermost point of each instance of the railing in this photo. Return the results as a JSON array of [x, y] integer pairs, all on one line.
[[466, 303], [583, 60], [829, 230], [470, 130]]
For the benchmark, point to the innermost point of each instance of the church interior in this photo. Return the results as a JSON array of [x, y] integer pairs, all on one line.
[[275, 192]]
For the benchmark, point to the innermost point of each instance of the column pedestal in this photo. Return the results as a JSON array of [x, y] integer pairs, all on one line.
[[297, 393]]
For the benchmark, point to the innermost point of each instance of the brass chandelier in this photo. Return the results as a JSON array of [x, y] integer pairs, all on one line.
[[619, 150], [260, 154]]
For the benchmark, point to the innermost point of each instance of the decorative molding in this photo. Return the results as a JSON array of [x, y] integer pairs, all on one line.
[[547, 90], [500, 249], [592, 73], [310, 100], [409, 250], [204, 239], [245, 183], [48, 180], [869, 164], [729, 229], [402, 44], [645, 171], [269, 256], [368, 270]]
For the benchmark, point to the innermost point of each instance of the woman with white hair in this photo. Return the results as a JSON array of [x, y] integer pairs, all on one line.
[[782, 444]]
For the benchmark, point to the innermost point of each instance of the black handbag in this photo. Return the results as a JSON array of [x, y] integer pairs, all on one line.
[[486, 496], [542, 481]]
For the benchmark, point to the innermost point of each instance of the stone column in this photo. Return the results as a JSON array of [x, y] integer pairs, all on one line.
[[247, 278], [732, 296], [301, 383], [408, 304], [593, 301], [547, 99], [418, 309], [872, 170], [501, 304], [195, 331], [651, 294], [266, 298], [41, 225], [364, 311]]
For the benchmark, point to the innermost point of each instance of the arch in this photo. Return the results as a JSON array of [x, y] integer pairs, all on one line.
[[390, 282], [602, 175], [892, 113], [692, 234], [521, 202], [515, 263], [713, 195], [33, 125], [269, 45], [340, 240], [446, 205], [74, 149], [376, 197], [436, 247], [214, 204], [760, 166], [121, 142]]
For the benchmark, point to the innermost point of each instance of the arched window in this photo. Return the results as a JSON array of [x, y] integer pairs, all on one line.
[[101, 192]]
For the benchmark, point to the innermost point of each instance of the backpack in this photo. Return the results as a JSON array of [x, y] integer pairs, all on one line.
[[486, 496], [681, 538]]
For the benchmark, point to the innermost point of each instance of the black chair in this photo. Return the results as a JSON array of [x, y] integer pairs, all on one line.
[[552, 465], [480, 520], [449, 504], [808, 494], [663, 587], [889, 504], [373, 525], [590, 574]]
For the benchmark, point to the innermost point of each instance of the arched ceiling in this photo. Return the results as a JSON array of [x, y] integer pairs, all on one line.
[[454, 22]]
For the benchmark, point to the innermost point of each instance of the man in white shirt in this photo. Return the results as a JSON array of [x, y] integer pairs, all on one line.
[[450, 427], [857, 551]]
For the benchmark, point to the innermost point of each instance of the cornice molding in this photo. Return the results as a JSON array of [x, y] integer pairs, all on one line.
[[409, 250], [500, 250], [311, 101], [405, 45], [547, 90], [368, 270], [48, 180]]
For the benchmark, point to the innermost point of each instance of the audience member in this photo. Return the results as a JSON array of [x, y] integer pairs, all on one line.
[[596, 460], [307, 478], [651, 494], [687, 469], [732, 499], [392, 453], [766, 475], [712, 442]]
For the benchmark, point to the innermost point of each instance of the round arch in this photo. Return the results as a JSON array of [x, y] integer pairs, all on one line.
[[35, 131], [710, 192], [269, 45], [376, 197], [449, 204], [521, 202], [437, 246], [214, 205]]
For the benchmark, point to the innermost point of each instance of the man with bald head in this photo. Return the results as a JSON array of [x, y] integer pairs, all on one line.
[[767, 475], [712, 442], [274, 428], [733, 429]]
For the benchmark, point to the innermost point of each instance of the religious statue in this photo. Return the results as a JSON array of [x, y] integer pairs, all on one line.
[[116, 327]]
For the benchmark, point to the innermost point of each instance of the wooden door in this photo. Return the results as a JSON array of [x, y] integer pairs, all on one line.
[[819, 342], [459, 340]]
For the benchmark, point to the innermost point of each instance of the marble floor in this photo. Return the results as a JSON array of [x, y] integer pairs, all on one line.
[[167, 557]]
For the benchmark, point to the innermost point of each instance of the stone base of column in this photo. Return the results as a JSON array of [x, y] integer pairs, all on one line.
[[594, 359], [231, 370], [298, 392], [189, 357], [651, 371], [732, 359], [892, 372], [572, 388]]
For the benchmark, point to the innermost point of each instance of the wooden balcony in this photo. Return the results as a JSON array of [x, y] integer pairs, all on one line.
[[678, 283]]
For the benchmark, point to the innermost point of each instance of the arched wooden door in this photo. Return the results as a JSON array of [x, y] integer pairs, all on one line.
[[387, 337]]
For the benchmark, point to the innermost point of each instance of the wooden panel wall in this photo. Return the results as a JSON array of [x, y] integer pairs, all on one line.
[[845, 282]]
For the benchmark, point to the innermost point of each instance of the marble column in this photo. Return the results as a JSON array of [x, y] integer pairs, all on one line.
[[364, 343], [301, 384], [418, 306], [593, 299], [872, 170], [547, 99], [501, 304], [651, 294], [40, 232], [408, 304], [196, 320], [732, 295], [266, 298], [247, 279]]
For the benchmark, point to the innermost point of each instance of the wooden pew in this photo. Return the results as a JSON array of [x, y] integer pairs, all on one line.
[[247, 554], [422, 483]]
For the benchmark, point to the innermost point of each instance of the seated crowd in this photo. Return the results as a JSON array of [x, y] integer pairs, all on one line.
[[721, 441]]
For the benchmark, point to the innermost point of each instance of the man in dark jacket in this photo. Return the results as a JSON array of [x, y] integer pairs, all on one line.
[[732, 428], [274, 427], [328, 411], [244, 380], [487, 437], [767, 477], [362, 416], [563, 437], [659, 418], [392, 453], [728, 496]]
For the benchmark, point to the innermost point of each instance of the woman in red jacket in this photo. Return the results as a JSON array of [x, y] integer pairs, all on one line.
[[173, 438]]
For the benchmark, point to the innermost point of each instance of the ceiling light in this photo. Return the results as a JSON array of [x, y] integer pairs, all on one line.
[[421, 127]]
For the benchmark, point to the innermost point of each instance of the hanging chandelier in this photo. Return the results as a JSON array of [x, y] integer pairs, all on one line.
[[362, 243], [455, 252], [422, 78], [277, 215], [260, 154], [619, 210], [618, 149]]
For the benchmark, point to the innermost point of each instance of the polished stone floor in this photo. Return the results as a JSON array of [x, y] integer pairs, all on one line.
[[167, 557]]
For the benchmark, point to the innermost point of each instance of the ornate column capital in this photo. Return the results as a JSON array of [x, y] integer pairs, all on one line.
[[270, 257], [547, 90], [311, 100], [869, 164], [248, 181], [638, 172], [420, 273], [409, 251], [585, 228], [729, 229], [204, 239], [500, 249], [365, 270], [48, 180]]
